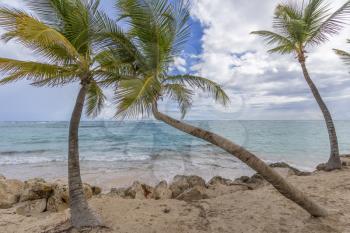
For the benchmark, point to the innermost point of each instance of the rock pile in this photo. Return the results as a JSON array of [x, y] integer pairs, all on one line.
[[193, 188], [36, 195]]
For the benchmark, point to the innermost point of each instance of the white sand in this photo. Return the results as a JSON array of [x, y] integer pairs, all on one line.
[[251, 211]]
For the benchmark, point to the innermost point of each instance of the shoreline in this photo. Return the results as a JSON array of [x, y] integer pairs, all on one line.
[[219, 205]]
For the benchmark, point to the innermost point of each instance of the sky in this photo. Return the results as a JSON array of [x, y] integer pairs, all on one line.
[[261, 86]]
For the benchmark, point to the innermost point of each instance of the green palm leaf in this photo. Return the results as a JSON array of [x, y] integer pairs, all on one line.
[[32, 33], [135, 97], [95, 100], [345, 56], [206, 85], [181, 94], [330, 26], [40, 73]]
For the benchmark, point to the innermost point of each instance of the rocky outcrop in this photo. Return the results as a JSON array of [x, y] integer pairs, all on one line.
[[36, 195], [181, 183], [162, 191], [10, 192], [139, 190], [35, 189], [59, 200]]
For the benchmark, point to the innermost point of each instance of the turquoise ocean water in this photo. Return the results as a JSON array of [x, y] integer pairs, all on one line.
[[34, 146]]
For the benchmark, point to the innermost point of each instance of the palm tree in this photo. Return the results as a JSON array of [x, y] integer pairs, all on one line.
[[297, 28], [158, 31], [64, 39]]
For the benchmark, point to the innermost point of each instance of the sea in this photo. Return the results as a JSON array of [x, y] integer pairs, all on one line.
[[157, 151]]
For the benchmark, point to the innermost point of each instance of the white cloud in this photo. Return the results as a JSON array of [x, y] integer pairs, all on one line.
[[269, 83]]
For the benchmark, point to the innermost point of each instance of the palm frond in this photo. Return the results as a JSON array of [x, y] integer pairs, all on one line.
[[330, 26], [206, 85], [135, 97], [155, 29], [283, 43], [32, 33], [345, 56], [181, 94], [39, 73], [95, 100]]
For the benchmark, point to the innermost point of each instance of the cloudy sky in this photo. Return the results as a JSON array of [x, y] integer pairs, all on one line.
[[261, 86]]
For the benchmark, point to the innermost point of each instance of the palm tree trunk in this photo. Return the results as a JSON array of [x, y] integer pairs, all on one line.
[[250, 159], [334, 161], [81, 214]]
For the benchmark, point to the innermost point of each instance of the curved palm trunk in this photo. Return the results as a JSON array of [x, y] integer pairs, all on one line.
[[81, 214], [334, 161], [251, 160]]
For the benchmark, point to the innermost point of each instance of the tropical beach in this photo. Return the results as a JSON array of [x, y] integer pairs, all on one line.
[[174, 116]]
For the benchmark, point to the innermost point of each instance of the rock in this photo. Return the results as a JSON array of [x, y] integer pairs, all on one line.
[[219, 180], [59, 201], [139, 191], [29, 208], [35, 189], [162, 191], [252, 182], [243, 179], [293, 169], [193, 194], [87, 191], [284, 172], [119, 192], [10, 192], [2, 177], [181, 183], [166, 210], [321, 167], [96, 190]]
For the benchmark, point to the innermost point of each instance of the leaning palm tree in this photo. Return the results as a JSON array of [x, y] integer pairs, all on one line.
[[63, 37], [158, 31], [298, 28]]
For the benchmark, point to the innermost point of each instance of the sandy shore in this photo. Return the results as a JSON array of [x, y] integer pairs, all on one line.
[[245, 211]]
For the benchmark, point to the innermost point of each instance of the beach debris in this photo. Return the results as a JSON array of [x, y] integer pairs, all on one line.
[[181, 183], [162, 191], [29, 208], [10, 192]]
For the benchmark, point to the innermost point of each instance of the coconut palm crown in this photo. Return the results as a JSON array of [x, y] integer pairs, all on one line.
[[298, 27], [63, 35], [158, 30]]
